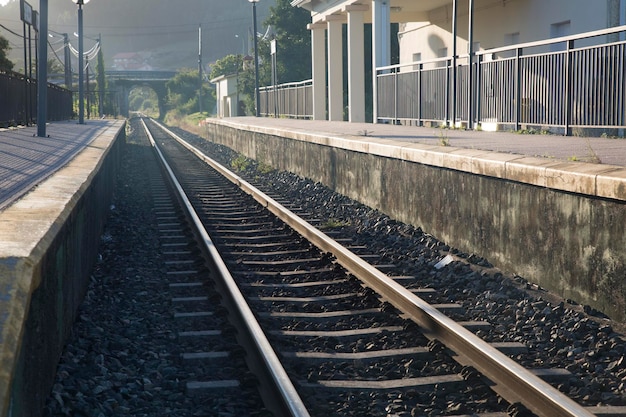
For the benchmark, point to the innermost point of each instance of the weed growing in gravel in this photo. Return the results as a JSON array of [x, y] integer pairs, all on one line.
[[334, 223], [443, 139], [592, 156], [264, 168], [240, 164]]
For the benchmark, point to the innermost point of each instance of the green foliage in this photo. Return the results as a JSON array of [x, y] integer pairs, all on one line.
[[444, 140], [264, 168], [183, 93], [144, 100], [293, 43], [240, 164], [5, 62], [230, 64], [54, 67], [334, 224]]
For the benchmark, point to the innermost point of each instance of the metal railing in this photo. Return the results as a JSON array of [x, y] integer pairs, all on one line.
[[293, 100], [18, 100], [573, 81]]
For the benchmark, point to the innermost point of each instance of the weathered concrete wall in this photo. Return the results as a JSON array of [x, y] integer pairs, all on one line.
[[45, 283], [526, 215]]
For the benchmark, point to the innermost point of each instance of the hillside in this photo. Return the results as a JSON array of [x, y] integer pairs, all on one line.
[[164, 33]]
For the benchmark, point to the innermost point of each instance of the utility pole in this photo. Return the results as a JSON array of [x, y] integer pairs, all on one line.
[[42, 72], [200, 67]]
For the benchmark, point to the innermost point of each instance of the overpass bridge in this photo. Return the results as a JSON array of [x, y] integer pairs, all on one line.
[[122, 82]]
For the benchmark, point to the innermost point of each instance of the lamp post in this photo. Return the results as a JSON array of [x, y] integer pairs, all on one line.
[[81, 93], [256, 60]]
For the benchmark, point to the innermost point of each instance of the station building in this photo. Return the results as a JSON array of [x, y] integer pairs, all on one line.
[[440, 33]]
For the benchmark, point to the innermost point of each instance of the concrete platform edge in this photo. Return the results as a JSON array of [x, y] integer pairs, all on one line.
[[600, 180], [48, 239], [558, 223]]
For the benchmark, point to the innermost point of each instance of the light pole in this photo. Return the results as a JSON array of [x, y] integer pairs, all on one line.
[[200, 68], [256, 60], [81, 93], [243, 44]]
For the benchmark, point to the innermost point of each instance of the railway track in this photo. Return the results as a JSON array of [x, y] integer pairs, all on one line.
[[350, 339]]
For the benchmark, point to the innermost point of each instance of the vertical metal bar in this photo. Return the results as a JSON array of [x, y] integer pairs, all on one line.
[[568, 88], [25, 73], [454, 59], [200, 68], [81, 98], [42, 63], [470, 41], [448, 89], [478, 87], [256, 61], [420, 98], [395, 96]]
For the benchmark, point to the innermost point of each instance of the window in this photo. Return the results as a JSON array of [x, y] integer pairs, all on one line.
[[417, 57], [556, 31], [442, 53], [510, 39]]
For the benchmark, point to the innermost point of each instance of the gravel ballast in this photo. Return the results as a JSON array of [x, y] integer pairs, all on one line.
[[111, 368]]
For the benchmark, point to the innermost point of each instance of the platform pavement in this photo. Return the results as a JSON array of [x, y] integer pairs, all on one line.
[[568, 148], [60, 188], [26, 159]]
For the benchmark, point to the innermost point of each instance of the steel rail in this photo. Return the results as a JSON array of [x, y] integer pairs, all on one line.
[[292, 404], [513, 382]]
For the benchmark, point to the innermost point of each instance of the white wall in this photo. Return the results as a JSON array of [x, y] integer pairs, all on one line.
[[495, 19]]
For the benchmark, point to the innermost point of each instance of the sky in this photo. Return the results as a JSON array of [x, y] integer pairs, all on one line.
[[3, 2]]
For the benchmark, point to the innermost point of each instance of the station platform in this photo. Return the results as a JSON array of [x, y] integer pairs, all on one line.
[[55, 195], [586, 165], [599, 150], [26, 159]]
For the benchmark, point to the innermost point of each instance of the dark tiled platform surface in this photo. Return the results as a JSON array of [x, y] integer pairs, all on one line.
[[26, 159]]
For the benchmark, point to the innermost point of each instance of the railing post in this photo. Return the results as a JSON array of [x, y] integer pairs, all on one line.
[[447, 100], [479, 61], [420, 102], [395, 98], [517, 93], [567, 122]]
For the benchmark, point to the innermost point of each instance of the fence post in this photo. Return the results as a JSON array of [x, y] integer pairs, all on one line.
[[568, 88], [395, 96], [517, 92], [447, 101], [479, 61], [420, 103]]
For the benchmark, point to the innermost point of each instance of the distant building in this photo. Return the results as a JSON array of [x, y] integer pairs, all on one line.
[[131, 61], [227, 94]]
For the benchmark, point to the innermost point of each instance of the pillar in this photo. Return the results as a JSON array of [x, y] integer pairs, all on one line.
[[318, 54], [381, 43], [335, 68], [356, 63]]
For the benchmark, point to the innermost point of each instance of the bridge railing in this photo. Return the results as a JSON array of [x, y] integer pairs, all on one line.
[[140, 75], [19, 100], [293, 100], [563, 83]]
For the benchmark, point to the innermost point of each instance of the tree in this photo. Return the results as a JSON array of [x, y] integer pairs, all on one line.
[[293, 43], [54, 67], [230, 64], [182, 92], [5, 62]]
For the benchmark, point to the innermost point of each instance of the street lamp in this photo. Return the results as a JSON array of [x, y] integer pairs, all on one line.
[[81, 93], [256, 59]]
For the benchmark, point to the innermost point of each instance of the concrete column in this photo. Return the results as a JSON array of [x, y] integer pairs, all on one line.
[[318, 70], [335, 68], [381, 42], [356, 63]]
